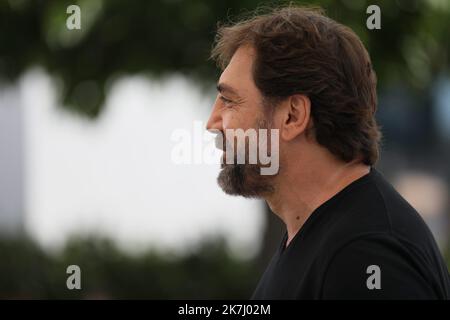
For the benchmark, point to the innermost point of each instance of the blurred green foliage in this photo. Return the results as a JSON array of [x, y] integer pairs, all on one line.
[[158, 37], [209, 272], [162, 36]]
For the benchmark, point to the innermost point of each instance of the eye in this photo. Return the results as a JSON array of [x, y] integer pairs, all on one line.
[[226, 101]]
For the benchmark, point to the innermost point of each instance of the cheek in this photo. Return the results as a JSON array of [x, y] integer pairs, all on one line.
[[244, 119], [231, 121]]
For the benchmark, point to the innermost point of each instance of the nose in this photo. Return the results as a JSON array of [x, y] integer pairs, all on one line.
[[214, 123]]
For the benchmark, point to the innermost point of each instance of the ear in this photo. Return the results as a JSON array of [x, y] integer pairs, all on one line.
[[296, 116]]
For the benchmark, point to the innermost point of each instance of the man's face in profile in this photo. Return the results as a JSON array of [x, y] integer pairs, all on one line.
[[239, 105]]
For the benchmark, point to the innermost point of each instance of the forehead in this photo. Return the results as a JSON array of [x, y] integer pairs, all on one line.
[[238, 72]]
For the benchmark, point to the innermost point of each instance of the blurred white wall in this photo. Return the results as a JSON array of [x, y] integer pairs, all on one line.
[[11, 161], [114, 176]]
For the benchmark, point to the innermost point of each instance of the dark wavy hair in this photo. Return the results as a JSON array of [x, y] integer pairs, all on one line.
[[301, 51]]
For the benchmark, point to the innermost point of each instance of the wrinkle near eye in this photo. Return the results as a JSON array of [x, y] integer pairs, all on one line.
[[240, 101]]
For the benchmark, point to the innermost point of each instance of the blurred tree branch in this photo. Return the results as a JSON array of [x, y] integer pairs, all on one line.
[[164, 36]]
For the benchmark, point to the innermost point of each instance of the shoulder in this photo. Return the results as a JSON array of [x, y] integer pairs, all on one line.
[[377, 231], [377, 266], [377, 208]]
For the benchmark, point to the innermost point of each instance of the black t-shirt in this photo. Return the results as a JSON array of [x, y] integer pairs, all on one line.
[[366, 242]]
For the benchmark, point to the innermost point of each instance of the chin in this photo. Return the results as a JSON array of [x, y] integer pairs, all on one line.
[[243, 180]]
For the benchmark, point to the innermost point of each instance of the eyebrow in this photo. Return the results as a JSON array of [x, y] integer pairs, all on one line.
[[222, 87]]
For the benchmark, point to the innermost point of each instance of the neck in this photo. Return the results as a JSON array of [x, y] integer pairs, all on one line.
[[302, 187]]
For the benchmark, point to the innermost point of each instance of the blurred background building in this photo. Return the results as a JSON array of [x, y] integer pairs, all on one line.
[[86, 136]]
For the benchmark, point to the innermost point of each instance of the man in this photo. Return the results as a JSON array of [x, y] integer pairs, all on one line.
[[349, 234]]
